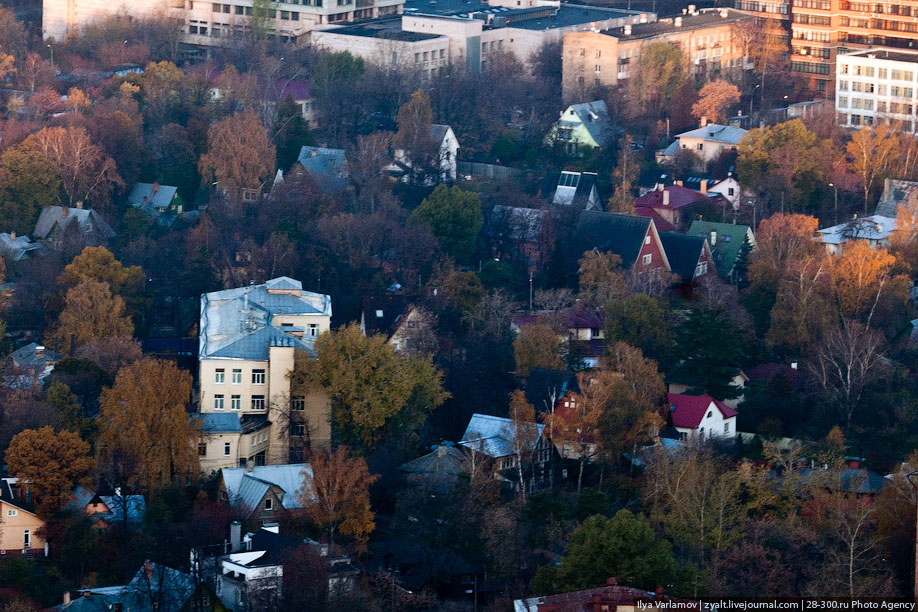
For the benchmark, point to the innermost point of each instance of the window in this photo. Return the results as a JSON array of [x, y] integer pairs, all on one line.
[[226, 449], [240, 10], [27, 538], [12, 512], [258, 402], [298, 403], [647, 259], [202, 449], [726, 427], [881, 73], [312, 330], [700, 146], [237, 377], [249, 195], [269, 503], [258, 377], [235, 402], [595, 332], [701, 269], [582, 52], [218, 402], [219, 376], [710, 414], [299, 429], [597, 68], [646, 239]]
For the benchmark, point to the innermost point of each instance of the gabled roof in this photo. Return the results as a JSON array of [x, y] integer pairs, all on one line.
[[158, 197], [327, 166], [382, 313], [661, 224], [136, 505], [726, 134], [679, 197], [438, 469], [238, 323], [545, 387], [688, 410], [63, 216], [609, 596], [594, 116], [438, 132], [11, 493], [29, 356], [874, 227], [573, 188], [683, 253], [247, 488], [491, 435], [614, 233], [728, 242]]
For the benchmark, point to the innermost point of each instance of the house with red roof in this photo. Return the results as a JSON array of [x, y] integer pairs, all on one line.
[[701, 416], [672, 206], [611, 596]]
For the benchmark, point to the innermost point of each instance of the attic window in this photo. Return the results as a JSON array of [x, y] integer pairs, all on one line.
[[379, 314], [269, 504], [11, 512], [710, 413]]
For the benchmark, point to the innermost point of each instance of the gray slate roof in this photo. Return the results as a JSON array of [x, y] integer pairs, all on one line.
[[726, 134], [28, 356], [218, 422], [595, 118], [491, 435], [895, 192], [63, 216], [247, 489], [19, 247], [327, 166], [237, 323], [158, 200]]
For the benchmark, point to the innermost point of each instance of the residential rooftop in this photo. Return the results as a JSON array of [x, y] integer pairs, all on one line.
[[885, 54], [705, 18]]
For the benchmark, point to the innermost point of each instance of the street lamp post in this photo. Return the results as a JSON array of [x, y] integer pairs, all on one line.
[[835, 187], [52, 54]]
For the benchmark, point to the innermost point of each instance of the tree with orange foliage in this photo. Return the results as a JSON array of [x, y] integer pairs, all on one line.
[[871, 154], [714, 99], [336, 494], [861, 276], [781, 239], [904, 241]]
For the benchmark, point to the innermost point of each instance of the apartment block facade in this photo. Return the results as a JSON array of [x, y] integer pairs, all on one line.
[[877, 86], [604, 58], [249, 338], [213, 23]]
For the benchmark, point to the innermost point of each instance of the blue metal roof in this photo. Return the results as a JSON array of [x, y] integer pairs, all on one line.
[[219, 422]]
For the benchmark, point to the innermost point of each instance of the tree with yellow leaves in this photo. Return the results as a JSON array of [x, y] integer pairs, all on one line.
[[90, 312], [336, 494], [601, 278], [714, 99], [861, 276], [145, 436], [538, 346], [781, 239], [51, 463], [871, 154]]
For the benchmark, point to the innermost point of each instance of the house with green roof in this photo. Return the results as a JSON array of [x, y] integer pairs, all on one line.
[[581, 127], [726, 241]]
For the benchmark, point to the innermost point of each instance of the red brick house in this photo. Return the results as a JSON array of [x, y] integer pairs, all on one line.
[[633, 238], [689, 257]]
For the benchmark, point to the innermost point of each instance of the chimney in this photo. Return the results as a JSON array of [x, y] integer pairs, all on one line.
[[677, 22], [704, 121], [80, 205], [66, 598], [704, 186], [595, 604], [854, 463], [611, 581], [713, 237], [39, 351], [724, 13], [12, 235], [628, 30], [678, 183], [155, 187], [64, 212], [148, 569], [235, 536], [691, 8], [666, 197], [119, 607], [441, 451], [643, 17]]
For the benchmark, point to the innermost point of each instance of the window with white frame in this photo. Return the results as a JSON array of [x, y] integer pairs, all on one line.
[[27, 538], [701, 269], [218, 402], [258, 377], [298, 403], [726, 427], [237, 377], [235, 402], [12, 512], [258, 402], [269, 503], [219, 376], [226, 449], [647, 259], [312, 330]]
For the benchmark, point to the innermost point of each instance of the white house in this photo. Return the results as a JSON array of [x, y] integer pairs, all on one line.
[[701, 416], [446, 151], [708, 142]]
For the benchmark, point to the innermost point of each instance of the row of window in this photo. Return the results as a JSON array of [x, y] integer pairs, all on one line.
[[880, 89], [881, 73], [819, 20], [810, 67], [778, 8], [258, 376], [425, 56], [297, 403]]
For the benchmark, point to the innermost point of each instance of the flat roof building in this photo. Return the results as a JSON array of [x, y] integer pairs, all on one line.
[[875, 86]]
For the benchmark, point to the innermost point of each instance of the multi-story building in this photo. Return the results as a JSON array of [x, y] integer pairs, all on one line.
[[604, 57], [212, 23], [248, 339], [877, 86], [431, 36]]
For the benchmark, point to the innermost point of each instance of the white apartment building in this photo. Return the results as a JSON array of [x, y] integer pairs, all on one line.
[[212, 23], [875, 86], [431, 36], [248, 339]]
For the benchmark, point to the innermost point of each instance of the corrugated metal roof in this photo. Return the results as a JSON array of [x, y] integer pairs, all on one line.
[[218, 422], [491, 435], [248, 488]]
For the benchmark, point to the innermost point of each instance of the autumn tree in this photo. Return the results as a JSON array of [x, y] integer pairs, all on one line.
[[414, 137], [96, 263], [657, 75], [336, 494], [861, 276], [714, 99], [454, 216], [77, 101], [624, 176], [538, 346], [803, 308], [780, 240], [524, 434], [373, 390], [29, 181], [872, 152], [239, 155], [51, 462], [601, 278], [903, 242], [638, 320], [145, 437], [87, 173], [90, 312]]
